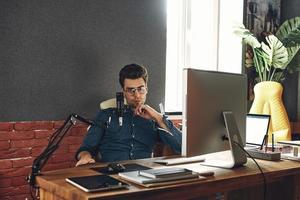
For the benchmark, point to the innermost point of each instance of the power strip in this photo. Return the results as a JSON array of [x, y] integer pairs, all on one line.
[[261, 154]]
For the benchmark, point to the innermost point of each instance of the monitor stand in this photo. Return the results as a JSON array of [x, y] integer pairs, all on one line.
[[237, 156]]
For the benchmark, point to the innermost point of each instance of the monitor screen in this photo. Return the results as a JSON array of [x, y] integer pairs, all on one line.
[[206, 95], [257, 127]]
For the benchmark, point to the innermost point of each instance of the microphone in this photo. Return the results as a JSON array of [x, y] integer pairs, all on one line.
[[120, 106]]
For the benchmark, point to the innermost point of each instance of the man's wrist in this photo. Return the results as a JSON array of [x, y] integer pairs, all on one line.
[[83, 154], [161, 122], [159, 118]]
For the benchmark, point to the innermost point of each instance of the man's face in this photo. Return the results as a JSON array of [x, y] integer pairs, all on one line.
[[135, 92]]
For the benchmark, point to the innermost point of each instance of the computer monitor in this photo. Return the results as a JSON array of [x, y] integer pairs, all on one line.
[[208, 96]]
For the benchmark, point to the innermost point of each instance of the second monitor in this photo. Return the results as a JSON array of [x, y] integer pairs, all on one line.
[[208, 96]]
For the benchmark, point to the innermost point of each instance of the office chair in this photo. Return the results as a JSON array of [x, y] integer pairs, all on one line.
[[110, 103]]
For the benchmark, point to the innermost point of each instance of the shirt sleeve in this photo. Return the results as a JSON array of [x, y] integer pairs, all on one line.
[[173, 137], [94, 135]]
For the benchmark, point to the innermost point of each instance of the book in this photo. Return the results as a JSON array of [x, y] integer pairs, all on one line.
[[152, 182], [165, 172], [96, 183]]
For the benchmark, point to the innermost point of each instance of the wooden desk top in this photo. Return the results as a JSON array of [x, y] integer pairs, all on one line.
[[223, 180]]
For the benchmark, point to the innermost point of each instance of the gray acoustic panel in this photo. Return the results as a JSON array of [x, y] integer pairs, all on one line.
[[62, 57]]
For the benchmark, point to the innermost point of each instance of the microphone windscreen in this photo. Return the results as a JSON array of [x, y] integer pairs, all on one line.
[[120, 103]]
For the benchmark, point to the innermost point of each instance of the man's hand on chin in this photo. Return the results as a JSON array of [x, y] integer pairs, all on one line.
[[147, 112]]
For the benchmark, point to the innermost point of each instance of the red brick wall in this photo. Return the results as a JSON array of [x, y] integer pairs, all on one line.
[[21, 143]]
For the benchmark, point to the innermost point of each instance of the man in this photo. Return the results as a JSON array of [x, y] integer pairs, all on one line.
[[136, 136]]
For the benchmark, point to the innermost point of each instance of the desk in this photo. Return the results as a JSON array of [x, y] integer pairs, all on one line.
[[283, 180]]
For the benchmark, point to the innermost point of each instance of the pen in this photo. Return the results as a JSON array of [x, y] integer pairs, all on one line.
[[263, 142], [266, 142], [273, 149]]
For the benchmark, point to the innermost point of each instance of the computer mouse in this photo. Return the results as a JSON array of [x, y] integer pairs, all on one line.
[[115, 168]]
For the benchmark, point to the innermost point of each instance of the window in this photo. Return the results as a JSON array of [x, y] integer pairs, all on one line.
[[200, 35]]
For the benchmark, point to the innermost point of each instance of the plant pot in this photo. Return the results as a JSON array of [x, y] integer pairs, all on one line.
[[268, 101]]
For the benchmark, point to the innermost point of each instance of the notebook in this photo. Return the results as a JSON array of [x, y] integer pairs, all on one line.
[[96, 183], [257, 127]]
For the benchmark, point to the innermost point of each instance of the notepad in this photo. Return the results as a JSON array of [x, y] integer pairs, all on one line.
[[96, 183]]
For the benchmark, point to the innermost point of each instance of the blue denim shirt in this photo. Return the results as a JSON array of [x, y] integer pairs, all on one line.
[[135, 139]]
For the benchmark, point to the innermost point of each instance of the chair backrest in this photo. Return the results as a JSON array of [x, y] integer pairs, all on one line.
[[110, 103]]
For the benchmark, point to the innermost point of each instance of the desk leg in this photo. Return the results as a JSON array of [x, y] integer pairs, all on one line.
[[218, 196], [297, 187], [284, 188]]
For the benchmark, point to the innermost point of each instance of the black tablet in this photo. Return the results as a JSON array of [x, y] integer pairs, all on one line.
[[96, 183]]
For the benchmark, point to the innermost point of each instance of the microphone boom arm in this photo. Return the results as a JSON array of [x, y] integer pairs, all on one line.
[[53, 144]]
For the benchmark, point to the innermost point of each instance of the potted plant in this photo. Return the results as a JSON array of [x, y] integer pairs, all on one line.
[[271, 58]]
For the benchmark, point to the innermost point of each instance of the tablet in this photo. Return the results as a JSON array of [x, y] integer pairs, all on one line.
[[96, 183]]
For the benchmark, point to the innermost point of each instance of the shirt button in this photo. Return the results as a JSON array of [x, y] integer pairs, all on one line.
[[132, 136], [131, 145], [132, 124]]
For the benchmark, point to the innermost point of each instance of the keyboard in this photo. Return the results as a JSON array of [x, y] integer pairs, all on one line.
[[181, 160], [219, 163]]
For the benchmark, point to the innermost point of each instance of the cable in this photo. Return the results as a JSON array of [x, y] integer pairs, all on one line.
[[263, 174]]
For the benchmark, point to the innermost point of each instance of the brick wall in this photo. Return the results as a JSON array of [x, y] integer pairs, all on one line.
[[21, 143]]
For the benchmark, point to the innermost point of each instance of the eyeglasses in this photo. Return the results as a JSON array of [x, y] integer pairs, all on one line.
[[140, 90]]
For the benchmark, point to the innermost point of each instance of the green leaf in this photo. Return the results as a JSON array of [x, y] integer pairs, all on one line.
[[277, 53], [248, 37], [260, 62], [294, 65], [289, 34], [278, 77], [252, 41], [293, 38]]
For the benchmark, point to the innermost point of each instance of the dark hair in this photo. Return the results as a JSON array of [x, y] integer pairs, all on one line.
[[132, 71]]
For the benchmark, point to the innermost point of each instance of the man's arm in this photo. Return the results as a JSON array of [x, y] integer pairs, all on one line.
[[89, 148], [174, 139]]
